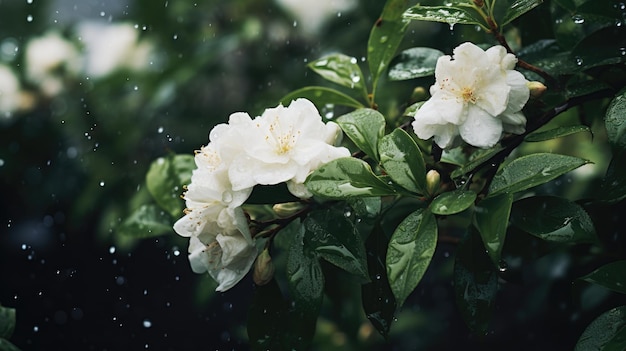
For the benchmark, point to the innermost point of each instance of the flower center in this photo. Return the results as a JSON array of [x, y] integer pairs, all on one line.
[[467, 94], [284, 139]]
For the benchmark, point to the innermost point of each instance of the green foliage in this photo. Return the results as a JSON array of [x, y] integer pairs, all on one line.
[[364, 127], [321, 96], [556, 133], [518, 8], [452, 202], [341, 69], [164, 180], [492, 220], [414, 63], [611, 276], [446, 14], [607, 332], [146, 221], [7, 326], [403, 161]]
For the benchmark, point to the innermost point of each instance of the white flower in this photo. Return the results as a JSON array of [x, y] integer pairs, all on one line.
[[477, 96], [312, 14], [12, 98]]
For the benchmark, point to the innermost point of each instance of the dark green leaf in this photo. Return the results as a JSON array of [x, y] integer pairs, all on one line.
[[602, 47], [321, 96], [385, 37], [6, 345], [165, 180], [611, 276], [478, 157], [492, 220], [414, 63], [613, 188], [267, 317], [446, 14], [340, 69], [553, 219], [334, 238], [364, 127], [569, 5], [600, 334], [403, 161], [410, 250], [346, 177], [583, 85], [452, 202], [475, 283], [518, 8], [147, 221], [270, 194], [528, 171], [365, 207], [556, 133], [615, 121], [7, 322]]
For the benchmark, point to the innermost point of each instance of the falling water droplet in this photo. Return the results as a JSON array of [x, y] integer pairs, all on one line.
[[29, 18], [578, 19], [101, 183], [147, 323]]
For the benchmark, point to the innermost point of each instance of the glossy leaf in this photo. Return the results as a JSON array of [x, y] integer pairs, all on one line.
[[267, 317], [553, 219], [452, 202], [336, 240], [403, 161], [165, 180], [528, 171], [611, 276], [364, 127], [491, 220], [270, 194], [365, 207], [7, 322], [346, 177], [613, 186], [414, 63], [340, 69], [600, 48], [475, 283], [556, 133], [410, 250], [147, 221], [615, 121], [321, 96], [385, 37], [518, 8], [446, 14], [478, 157], [607, 332]]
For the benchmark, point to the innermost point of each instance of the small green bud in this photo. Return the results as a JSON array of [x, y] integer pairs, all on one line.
[[433, 178], [419, 94], [263, 268], [536, 88], [286, 209]]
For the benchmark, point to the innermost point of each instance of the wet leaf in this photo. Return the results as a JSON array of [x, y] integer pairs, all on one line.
[[7, 322], [403, 161], [321, 96], [611, 276], [271, 194], [340, 69], [452, 202], [553, 219], [528, 171], [267, 317], [479, 157], [410, 250], [446, 14], [613, 186], [414, 63], [147, 221], [615, 121], [600, 48], [492, 219], [607, 332], [518, 8], [6, 345], [365, 207], [165, 180], [556, 133], [364, 127], [475, 283], [346, 177]]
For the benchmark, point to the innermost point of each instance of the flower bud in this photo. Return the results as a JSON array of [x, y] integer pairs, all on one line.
[[536, 88], [432, 182], [286, 209], [263, 268], [419, 94]]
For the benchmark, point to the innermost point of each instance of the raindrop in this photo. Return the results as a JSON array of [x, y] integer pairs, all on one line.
[[145, 292], [579, 61], [29, 18], [1, 162], [120, 280], [29, 1], [24, 247], [175, 36], [135, 88], [35, 329], [112, 249], [102, 13], [295, 23], [578, 19], [160, 130], [338, 14], [451, 26], [176, 251], [101, 183], [147, 324], [347, 213], [353, 60], [502, 267], [384, 39]]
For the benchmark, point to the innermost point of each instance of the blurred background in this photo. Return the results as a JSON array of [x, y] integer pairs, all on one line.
[[93, 91]]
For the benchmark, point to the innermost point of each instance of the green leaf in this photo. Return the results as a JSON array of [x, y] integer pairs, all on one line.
[[611, 276], [7, 322], [270, 194], [410, 250], [615, 121], [321, 96], [569, 5], [607, 332], [452, 202], [556, 133], [365, 207], [165, 180], [147, 221], [528, 171], [492, 220], [613, 186], [385, 37], [346, 177], [403, 161], [446, 14], [600, 48], [414, 63], [518, 8], [335, 239], [6, 345], [364, 127], [479, 157], [475, 283], [267, 317], [340, 69], [553, 219]]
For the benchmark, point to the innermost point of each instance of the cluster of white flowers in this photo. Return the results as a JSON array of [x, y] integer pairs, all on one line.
[[477, 95], [284, 144]]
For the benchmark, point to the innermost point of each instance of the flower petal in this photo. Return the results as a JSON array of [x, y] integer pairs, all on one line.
[[481, 129]]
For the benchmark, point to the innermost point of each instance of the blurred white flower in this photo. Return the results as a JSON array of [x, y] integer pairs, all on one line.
[[110, 47], [12, 98], [311, 15], [49, 59], [477, 96]]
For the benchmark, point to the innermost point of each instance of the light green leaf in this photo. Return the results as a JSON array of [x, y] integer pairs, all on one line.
[[492, 220], [611, 276], [556, 133], [553, 219], [347, 177], [340, 69], [446, 14], [518, 8], [414, 63], [607, 332], [410, 250], [364, 127], [7, 322], [615, 121], [452, 202], [403, 161], [146, 221], [321, 96], [477, 158], [528, 171], [165, 180]]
